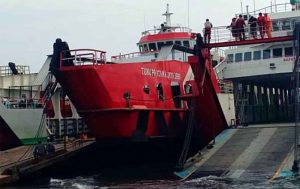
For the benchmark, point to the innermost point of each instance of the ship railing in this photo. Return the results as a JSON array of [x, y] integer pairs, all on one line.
[[21, 103], [166, 29], [130, 55], [80, 57], [226, 86], [225, 33], [125, 56], [273, 8], [6, 70]]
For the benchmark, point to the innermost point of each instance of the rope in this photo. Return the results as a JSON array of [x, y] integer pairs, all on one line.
[[188, 137]]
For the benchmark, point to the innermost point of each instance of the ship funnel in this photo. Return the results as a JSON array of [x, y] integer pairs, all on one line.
[[168, 16]]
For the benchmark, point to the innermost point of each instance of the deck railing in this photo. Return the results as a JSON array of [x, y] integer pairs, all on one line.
[[79, 57], [166, 29]]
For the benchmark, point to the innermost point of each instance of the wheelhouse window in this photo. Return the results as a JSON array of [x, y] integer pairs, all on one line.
[[247, 56], [152, 46], [186, 43], [160, 44], [275, 26], [267, 54], [286, 25], [288, 51], [169, 43], [145, 48], [256, 55], [178, 42], [141, 48], [277, 52], [238, 57], [230, 58]]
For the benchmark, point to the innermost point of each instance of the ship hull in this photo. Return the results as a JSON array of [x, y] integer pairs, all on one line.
[[112, 100]]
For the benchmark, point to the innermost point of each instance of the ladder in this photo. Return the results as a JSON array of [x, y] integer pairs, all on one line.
[[241, 102]]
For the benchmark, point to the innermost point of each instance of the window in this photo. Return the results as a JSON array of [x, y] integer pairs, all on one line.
[[238, 57], [286, 25], [186, 43], [247, 56], [267, 54], [160, 44], [256, 55], [178, 42], [275, 26], [141, 48], [277, 52], [169, 43], [230, 58], [160, 91], [175, 89], [145, 48], [288, 51], [152, 46]]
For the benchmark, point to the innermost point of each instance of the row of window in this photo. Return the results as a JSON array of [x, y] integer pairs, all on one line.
[[157, 46], [281, 25], [258, 55]]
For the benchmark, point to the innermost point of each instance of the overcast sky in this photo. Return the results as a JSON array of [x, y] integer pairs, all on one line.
[[29, 27]]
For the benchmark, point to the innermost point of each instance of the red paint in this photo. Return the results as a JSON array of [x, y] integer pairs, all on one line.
[[97, 91], [169, 36]]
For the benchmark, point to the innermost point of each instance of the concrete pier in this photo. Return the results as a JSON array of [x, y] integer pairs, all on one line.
[[247, 152], [19, 162]]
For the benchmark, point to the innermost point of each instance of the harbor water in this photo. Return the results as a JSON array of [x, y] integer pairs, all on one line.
[[100, 181], [123, 168]]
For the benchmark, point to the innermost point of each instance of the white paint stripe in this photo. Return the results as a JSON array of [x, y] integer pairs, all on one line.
[[250, 153]]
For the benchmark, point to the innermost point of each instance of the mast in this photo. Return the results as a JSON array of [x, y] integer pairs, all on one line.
[[168, 16]]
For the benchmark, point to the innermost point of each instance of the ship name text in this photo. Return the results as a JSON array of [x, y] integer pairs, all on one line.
[[160, 73]]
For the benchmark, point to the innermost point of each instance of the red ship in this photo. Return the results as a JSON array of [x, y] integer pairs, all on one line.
[[158, 93]]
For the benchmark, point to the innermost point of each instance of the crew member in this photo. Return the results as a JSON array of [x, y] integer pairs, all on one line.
[[261, 25], [207, 31], [268, 25], [252, 22], [240, 23]]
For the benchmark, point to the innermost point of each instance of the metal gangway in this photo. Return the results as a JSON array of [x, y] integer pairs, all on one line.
[[221, 37]]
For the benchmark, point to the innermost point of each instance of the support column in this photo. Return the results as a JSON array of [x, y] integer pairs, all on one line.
[[251, 107]]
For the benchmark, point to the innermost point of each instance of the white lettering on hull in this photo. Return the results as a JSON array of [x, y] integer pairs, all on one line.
[[160, 73]]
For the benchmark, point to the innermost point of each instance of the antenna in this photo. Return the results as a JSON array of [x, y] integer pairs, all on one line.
[[241, 6], [168, 16], [188, 13]]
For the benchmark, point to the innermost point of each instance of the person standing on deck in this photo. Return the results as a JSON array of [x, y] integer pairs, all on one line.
[[253, 28], [261, 25], [233, 28], [268, 25], [207, 31], [240, 23]]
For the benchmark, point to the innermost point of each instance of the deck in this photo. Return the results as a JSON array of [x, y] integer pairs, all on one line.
[[256, 152], [19, 162]]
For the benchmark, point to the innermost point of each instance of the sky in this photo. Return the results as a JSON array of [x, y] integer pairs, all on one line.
[[30, 27]]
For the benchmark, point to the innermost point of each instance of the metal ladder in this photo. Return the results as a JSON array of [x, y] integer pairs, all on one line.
[[241, 102]]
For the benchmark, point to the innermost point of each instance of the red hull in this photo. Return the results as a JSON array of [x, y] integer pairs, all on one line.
[[111, 100]]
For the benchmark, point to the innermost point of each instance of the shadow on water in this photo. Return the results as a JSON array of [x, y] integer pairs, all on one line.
[[104, 165]]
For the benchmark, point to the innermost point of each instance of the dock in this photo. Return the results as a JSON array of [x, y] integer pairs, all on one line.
[[256, 151], [17, 163]]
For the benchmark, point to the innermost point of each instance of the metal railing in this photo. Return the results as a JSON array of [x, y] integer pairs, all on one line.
[[283, 7], [166, 29], [6, 70], [225, 34], [79, 57]]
